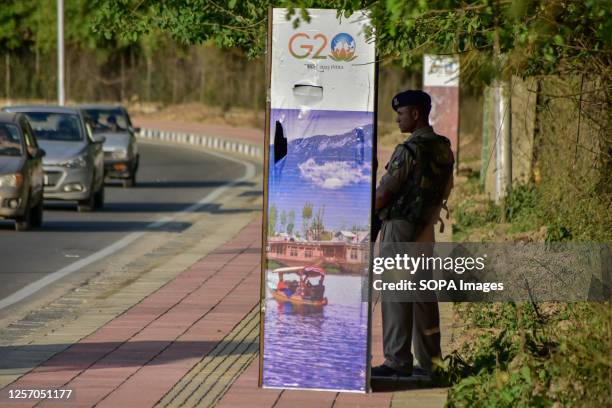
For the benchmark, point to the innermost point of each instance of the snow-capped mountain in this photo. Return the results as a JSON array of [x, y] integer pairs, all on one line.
[[343, 147]]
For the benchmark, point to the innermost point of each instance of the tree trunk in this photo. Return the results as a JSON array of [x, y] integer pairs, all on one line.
[[255, 90], [122, 77], [7, 71], [175, 79], [67, 76], [149, 65], [227, 104], [503, 136], [130, 75], [202, 74], [37, 73]]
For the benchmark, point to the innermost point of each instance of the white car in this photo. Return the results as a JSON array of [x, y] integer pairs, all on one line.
[[121, 156], [74, 162]]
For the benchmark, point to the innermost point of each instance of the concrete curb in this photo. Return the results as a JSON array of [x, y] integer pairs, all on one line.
[[207, 141]]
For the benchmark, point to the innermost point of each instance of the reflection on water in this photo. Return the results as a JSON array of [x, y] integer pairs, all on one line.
[[318, 347]]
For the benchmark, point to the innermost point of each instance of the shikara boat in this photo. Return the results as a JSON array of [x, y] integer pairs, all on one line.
[[300, 285]]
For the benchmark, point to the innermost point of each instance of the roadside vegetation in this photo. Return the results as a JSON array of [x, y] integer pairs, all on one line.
[[532, 354]]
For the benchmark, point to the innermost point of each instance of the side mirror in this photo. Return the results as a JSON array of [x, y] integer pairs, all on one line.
[[136, 130], [99, 139], [36, 153]]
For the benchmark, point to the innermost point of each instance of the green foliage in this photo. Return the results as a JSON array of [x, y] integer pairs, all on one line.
[[470, 214], [527, 355], [576, 215], [273, 264], [29, 24], [331, 269], [306, 216], [537, 36], [544, 354], [523, 210], [523, 199], [529, 207], [272, 220], [317, 226], [227, 23], [290, 222], [13, 34]]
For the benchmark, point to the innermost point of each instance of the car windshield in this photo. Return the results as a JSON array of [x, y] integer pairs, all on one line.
[[107, 120], [55, 126], [10, 140]]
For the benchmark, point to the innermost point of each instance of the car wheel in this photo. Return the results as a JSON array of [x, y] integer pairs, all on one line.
[[99, 197], [37, 214], [88, 204], [24, 222], [131, 182]]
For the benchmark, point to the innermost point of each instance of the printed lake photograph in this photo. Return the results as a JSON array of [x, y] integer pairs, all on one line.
[[317, 250]]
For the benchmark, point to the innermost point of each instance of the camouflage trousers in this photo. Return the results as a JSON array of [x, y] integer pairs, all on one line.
[[407, 324]]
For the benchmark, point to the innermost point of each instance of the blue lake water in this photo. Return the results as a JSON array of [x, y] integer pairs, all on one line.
[[323, 348]]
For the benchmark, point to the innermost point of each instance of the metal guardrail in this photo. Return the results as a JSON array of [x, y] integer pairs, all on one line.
[[209, 142]]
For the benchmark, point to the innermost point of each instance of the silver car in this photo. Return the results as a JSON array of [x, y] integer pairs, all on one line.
[[74, 162], [21, 173], [121, 156]]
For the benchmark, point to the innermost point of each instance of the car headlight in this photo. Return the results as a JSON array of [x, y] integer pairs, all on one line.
[[11, 180], [77, 162], [119, 154]]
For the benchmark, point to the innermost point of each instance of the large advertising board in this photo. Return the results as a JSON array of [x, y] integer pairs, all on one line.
[[317, 203], [441, 82]]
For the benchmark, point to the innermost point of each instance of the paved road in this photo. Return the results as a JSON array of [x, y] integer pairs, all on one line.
[[170, 179]]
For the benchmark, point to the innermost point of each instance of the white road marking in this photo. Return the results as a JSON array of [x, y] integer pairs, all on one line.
[[34, 287]]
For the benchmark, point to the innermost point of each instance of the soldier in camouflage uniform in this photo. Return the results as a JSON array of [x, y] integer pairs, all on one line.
[[409, 199]]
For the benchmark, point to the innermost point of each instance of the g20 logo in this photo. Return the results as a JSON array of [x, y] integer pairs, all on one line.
[[342, 47]]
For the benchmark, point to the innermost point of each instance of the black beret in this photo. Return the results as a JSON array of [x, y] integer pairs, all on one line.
[[411, 98]]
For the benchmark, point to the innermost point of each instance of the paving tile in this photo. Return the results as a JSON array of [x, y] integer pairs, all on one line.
[[315, 399], [150, 374], [111, 356], [363, 400], [156, 343]]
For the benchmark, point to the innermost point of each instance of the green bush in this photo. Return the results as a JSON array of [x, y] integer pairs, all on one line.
[[536, 355], [470, 214], [525, 357], [578, 217]]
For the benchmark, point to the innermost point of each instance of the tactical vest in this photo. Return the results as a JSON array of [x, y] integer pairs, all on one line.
[[429, 183]]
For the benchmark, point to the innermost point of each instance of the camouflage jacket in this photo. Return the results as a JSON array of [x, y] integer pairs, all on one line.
[[419, 176]]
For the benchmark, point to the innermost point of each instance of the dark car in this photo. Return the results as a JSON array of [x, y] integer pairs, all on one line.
[[121, 156], [21, 172], [74, 162]]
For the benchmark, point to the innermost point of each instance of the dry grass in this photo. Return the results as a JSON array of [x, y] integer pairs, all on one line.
[[200, 113]]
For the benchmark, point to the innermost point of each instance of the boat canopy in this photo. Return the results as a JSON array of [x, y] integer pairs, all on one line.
[[314, 271], [308, 271]]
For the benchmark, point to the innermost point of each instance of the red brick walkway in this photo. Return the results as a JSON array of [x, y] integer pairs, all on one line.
[[135, 359]]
